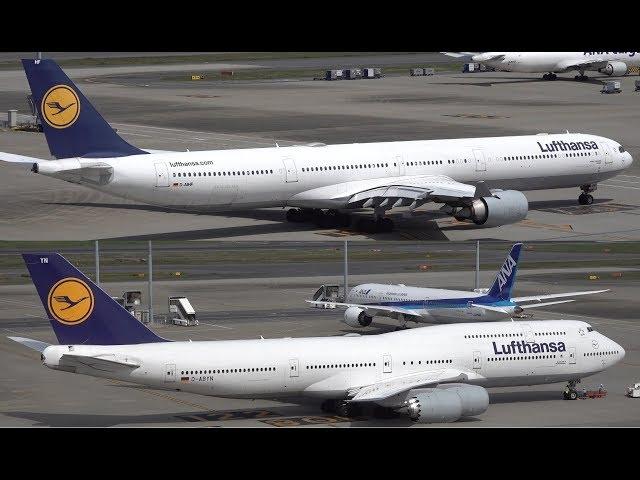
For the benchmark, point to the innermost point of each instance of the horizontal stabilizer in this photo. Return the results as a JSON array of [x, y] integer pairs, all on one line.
[[387, 388], [13, 158], [97, 363], [32, 344], [491, 308]]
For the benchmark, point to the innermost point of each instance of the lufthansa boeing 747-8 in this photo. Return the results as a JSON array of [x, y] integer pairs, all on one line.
[[432, 374]]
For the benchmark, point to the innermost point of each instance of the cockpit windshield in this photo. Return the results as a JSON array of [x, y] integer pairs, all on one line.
[[621, 148], [589, 329]]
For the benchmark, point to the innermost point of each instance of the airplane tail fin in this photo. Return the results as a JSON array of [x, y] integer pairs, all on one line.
[[80, 312], [72, 126], [506, 277]]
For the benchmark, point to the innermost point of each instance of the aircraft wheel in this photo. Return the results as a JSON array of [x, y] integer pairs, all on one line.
[[294, 215], [573, 395], [386, 225], [585, 199], [346, 409]]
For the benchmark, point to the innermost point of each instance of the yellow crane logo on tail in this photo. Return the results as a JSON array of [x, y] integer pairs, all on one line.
[[70, 301], [60, 106]]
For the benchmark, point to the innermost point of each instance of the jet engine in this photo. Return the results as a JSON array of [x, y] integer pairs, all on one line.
[[508, 206], [475, 399], [616, 69], [356, 317], [432, 405], [447, 403]]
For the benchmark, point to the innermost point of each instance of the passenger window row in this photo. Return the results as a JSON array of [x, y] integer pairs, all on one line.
[[541, 334], [344, 167], [495, 335], [528, 157], [223, 174], [526, 357], [228, 370], [599, 354], [429, 362], [341, 365]]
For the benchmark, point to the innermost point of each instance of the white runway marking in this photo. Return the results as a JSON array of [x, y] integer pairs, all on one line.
[[619, 186], [214, 325]]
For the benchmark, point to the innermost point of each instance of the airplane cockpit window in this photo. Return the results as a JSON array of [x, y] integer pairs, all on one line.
[[589, 329], [621, 148]]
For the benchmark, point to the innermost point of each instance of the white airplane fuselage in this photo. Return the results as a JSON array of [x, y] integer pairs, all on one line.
[[306, 176], [556, 62], [431, 305], [493, 354]]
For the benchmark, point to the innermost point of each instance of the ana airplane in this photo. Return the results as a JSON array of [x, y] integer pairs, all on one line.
[[435, 305], [609, 63], [476, 180], [432, 374]]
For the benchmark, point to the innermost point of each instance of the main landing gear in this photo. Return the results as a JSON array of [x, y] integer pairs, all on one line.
[[342, 408], [585, 197], [570, 392], [582, 77], [336, 219], [330, 219], [549, 76]]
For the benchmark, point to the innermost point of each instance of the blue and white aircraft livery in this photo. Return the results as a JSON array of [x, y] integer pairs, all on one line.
[[432, 374], [435, 305], [476, 180], [609, 63]]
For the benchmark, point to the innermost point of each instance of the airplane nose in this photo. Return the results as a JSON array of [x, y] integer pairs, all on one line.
[[629, 160]]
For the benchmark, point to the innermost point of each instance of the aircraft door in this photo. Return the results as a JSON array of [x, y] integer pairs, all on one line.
[[399, 161], [387, 364], [162, 175], [293, 368], [608, 156], [477, 361], [169, 373], [572, 355], [528, 333], [290, 170], [481, 162]]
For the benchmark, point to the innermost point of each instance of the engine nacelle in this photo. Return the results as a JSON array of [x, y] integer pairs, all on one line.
[[616, 69], [475, 399], [356, 317], [432, 405], [508, 206]]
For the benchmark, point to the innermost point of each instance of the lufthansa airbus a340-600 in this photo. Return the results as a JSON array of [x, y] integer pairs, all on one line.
[[432, 374], [479, 180]]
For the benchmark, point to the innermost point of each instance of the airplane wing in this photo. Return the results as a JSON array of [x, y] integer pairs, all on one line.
[[545, 304], [32, 344], [539, 298], [461, 55], [391, 192], [97, 363], [389, 387], [591, 64], [371, 309]]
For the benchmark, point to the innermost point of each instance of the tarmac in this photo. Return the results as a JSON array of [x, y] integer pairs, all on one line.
[[273, 306], [153, 112]]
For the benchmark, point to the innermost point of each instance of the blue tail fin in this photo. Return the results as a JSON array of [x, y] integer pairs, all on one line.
[[506, 277], [80, 312], [72, 126]]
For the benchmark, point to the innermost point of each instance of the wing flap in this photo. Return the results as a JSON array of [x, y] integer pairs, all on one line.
[[380, 391]]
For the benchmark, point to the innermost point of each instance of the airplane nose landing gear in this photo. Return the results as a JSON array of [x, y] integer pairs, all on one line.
[[585, 197], [570, 392]]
